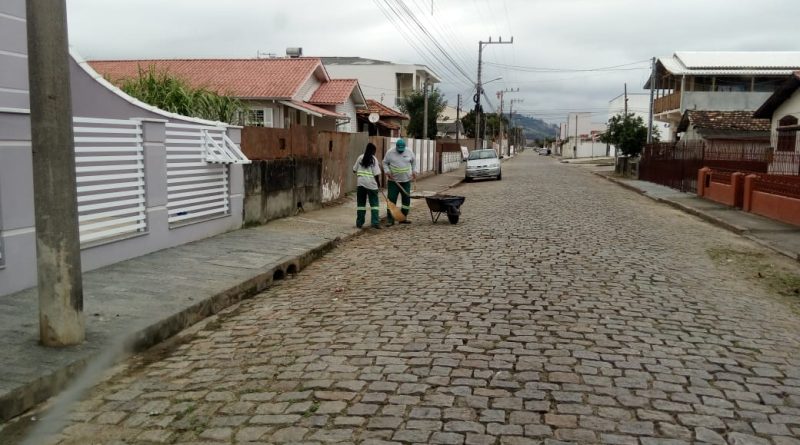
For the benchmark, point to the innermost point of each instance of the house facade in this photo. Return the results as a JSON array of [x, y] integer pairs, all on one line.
[[278, 92], [783, 111], [717, 81], [389, 121], [724, 128], [382, 81], [146, 179]]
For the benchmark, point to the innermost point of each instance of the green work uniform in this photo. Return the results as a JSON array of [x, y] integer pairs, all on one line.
[[367, 188], [401, 167]]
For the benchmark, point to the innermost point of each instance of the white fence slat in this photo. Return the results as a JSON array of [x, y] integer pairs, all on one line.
[[109, 158], [110, 205], [95, 236], [196, 189], [95, 178]]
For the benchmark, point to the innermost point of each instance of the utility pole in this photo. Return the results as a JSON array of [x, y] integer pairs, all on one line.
[[626, 101], [575, 147], [458, 117], [501, 96], [511, 116], [425, 111], [652, 91], [58, 255], [479, 87]]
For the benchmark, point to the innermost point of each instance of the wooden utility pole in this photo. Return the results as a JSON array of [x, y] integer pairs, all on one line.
[[479, 86], [425, 111], [58, 254]]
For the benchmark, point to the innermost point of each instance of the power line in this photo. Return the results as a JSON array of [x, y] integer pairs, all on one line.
[[570, 70], [395, 20]]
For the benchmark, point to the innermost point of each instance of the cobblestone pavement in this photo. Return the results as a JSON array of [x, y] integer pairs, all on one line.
[[561, 309]]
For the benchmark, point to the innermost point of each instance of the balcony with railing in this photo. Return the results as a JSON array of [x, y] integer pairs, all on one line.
[[667, 103]]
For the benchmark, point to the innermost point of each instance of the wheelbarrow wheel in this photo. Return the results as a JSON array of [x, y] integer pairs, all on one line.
[[453, 218]]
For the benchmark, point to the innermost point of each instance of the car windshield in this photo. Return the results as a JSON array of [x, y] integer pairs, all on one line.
[[482, 154]]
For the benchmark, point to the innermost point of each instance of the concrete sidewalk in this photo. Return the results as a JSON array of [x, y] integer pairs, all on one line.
[[140, 302], [774, 235]]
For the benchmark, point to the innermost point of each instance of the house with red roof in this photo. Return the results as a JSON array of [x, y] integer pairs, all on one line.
[[379, 120], [279, 92]]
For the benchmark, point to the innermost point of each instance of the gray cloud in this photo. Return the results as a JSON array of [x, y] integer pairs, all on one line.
[[547, 33]]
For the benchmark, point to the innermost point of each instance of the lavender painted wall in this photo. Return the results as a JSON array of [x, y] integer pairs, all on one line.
[[91, 97]]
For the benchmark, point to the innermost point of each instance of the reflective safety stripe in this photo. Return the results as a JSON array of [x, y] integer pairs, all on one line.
[[405, 207], [361, 208], [365, 174], [400, 169]]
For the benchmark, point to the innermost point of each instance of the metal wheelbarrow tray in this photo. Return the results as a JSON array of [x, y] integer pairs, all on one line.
[[448, 204]]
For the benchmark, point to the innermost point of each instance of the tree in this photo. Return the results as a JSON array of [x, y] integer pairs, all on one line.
[[628, 133], [490, 120], [414, 106], [173, 94]]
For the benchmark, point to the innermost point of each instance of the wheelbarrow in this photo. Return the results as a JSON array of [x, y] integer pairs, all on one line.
[[448, 204]]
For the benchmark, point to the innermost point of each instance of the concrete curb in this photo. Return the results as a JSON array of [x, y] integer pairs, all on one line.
[[739, 230], [28, 396]]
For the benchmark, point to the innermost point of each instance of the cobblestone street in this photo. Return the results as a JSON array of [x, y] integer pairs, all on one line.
[[561, 309]]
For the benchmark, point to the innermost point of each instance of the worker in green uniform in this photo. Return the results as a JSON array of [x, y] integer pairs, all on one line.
[[368, 172], [398, 164]]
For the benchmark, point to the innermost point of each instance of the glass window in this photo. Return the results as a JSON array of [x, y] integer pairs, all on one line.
[[482, 154], [767, 84], [255, 118]]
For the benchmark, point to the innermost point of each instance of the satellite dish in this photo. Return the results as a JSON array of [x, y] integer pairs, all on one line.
[[374, 117]]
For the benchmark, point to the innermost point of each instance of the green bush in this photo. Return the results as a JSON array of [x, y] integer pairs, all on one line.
[[173, 94]]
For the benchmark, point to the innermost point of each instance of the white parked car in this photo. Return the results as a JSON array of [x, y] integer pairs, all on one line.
[[483, 164]]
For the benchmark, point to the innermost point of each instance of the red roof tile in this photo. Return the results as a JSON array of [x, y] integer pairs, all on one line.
[[313, 108], [243, 78], [373, 106], [334, 92]]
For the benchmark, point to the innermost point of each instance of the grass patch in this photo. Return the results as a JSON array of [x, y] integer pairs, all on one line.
[[778, 278], [311, 409]]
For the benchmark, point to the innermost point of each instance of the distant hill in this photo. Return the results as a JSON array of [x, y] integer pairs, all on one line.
[[536, 128]]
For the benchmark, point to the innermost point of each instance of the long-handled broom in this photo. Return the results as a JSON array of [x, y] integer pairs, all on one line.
[[396, 213]]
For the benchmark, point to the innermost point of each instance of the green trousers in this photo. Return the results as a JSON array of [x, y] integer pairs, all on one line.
[[405, 198], [361, 206]]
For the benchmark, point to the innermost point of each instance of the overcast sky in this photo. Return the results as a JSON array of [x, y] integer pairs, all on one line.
[[557, 34]]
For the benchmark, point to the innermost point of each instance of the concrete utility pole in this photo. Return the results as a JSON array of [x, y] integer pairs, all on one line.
[[625, 116], [458, 117], [511, 116], [479, 86], [58, 255], [652, 90], [501, 96], [425, 112], [575, 147]]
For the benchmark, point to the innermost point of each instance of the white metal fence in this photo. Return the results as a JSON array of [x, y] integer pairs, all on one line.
[[196, 189], [109, 165]]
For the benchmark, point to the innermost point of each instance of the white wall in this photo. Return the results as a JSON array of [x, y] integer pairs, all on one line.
[[348, 108], [377, 81], [639, 105], [790, 107]]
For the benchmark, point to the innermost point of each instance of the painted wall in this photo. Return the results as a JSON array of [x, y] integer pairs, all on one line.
[[378, 82], [639, 104], [348, 108], [91, 97], [722, 101], [789, 107]]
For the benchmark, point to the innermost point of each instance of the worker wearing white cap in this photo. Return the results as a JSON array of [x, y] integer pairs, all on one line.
[[398, 164]]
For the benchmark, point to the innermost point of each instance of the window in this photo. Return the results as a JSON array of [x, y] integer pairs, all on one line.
[[262, 117], [787, 134], [767, 84]]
